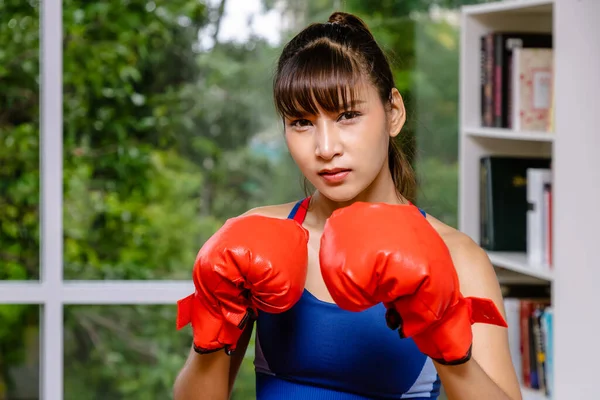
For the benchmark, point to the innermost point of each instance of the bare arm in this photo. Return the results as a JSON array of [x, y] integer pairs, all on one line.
[[210, 376], [238, 356], [203, 376], [490, 373]]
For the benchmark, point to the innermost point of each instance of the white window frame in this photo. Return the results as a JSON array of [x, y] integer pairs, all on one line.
[[52, 291]]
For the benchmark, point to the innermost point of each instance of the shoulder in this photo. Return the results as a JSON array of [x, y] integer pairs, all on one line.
[[274, 211], [475, 272]]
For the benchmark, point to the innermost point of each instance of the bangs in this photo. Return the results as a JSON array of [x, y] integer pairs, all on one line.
[[322, 74]]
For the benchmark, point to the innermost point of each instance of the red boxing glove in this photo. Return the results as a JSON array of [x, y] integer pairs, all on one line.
[[253, 262], [380, 253]]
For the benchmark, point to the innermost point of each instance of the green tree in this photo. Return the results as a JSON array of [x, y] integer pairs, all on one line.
[[19, 172], [19, 140], [159, 159]]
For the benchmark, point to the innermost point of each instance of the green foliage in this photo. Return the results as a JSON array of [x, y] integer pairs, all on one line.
[[122, 352], [436, 101], [17, 321], [128, 192], [19, 172], [438, 189], [19, 140]]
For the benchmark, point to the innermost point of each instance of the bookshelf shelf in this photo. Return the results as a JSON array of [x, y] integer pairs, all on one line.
[[517, 262], [501, 133], [510, 6], [531, 394]]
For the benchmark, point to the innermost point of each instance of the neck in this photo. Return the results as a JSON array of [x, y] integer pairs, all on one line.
[[381, 190]]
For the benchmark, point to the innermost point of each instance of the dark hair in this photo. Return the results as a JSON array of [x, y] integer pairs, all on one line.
[[326, 57]]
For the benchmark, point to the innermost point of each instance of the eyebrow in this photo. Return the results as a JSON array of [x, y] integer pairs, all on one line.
[[303, 114]]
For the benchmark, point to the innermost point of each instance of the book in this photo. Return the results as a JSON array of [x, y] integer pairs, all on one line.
[[548, 231], [547, 334], [496, 50], [533, 74], [487, 77], [503, 201], [512, 309], [538, 223], [530, 341]]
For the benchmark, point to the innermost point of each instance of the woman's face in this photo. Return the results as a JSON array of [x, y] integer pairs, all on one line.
[[344, 152]]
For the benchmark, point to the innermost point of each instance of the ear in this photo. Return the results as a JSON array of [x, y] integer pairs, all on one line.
[[397, 114]]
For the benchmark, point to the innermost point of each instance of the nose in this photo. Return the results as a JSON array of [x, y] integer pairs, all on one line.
[[328, 143]]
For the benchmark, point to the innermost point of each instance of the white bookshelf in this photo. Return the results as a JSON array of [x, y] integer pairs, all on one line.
[[500, 133], [530, 394], [574, 147], [477, 141], [517, 263]]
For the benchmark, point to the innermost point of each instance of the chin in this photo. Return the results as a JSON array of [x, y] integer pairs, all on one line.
[[339, 194]]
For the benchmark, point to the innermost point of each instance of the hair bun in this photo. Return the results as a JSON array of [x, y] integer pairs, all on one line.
[[346, 19]]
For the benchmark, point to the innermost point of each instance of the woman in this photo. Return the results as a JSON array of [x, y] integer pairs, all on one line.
[[341, 111]]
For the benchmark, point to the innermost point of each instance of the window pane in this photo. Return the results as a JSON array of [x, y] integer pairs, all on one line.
[[128, 352], [19, 140], [435, 94], [166, 135], [19, 352]]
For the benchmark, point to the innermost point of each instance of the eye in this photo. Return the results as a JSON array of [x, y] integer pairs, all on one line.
[[348, 115], [300, 123]]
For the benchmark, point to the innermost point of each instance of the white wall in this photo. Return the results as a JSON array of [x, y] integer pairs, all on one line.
[[577, 195]]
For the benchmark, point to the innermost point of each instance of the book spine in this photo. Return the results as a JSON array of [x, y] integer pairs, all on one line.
[[537, 225], [515, 96], [498, 79], [483, 78], [548, 223], [489, 84], [507, 113], [547, 328], [526, 308], [485, 238]]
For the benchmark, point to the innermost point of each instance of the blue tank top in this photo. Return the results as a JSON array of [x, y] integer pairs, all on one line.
[[319, 351]]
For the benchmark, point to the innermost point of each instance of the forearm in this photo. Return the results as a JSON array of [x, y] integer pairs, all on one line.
[[469, 381], [203, 377], [237, 358], [193, 387]]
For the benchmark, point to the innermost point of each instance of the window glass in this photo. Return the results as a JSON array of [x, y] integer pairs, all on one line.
[[19, 352], [167, 133], [19, 140]]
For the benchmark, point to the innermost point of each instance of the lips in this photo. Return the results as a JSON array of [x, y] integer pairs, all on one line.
[[333, 171], [334, 175]]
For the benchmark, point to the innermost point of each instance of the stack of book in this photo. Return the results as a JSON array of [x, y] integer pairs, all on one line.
[[530, 336], [517, 80], [516, 207]]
